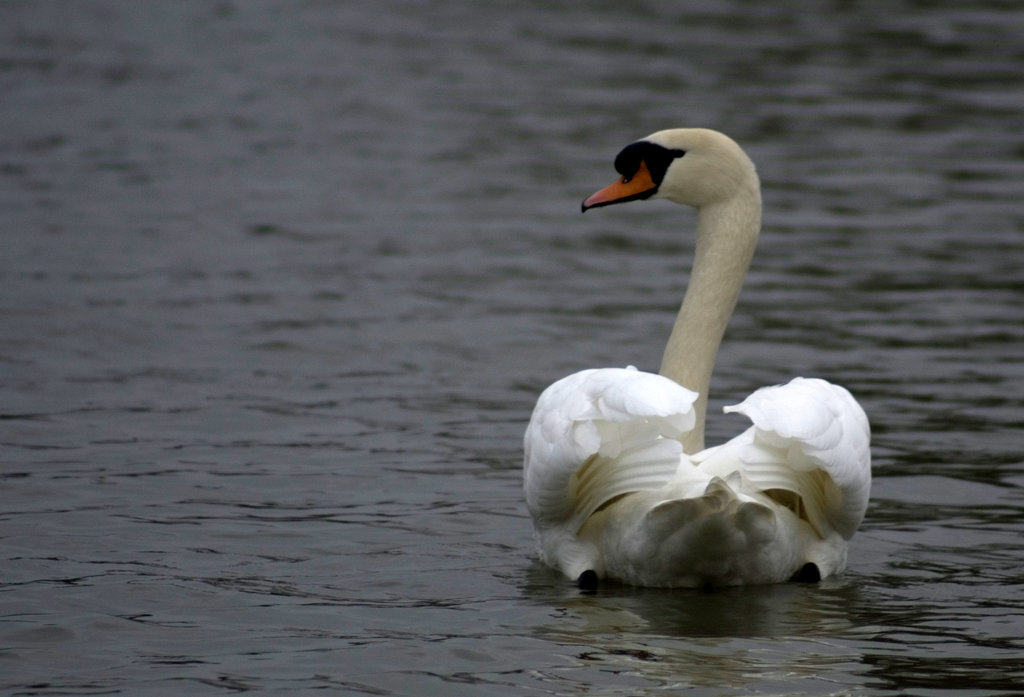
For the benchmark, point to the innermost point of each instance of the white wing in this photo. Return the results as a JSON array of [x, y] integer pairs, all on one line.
[[598, 434], [810, 438]]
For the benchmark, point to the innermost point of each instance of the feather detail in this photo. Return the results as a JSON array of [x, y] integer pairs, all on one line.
[[811, 438], [598, 434]]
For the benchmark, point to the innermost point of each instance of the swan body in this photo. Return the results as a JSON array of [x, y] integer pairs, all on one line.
[[616, 476]]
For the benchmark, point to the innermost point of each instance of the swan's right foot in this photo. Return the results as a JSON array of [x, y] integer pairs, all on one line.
[[587, 581], [808, 573]]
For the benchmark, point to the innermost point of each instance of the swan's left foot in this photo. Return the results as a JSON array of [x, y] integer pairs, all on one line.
[[587, 581], [808, 573]]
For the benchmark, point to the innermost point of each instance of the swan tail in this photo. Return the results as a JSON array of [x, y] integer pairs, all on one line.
[[809, 449], [717, 538], [719, 504], [599, 434]]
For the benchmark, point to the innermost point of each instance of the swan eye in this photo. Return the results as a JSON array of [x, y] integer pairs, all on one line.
[[656, 158]]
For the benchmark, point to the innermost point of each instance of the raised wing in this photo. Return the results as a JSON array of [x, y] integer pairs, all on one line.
[[598, 434], [809, 438]]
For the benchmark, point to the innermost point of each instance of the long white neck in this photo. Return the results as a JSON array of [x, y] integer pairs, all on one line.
[[726, 236]]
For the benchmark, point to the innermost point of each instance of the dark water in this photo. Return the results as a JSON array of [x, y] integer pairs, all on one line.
[[281, 281]]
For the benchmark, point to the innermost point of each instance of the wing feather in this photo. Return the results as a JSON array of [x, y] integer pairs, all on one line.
[[598, 434], [811, 438]]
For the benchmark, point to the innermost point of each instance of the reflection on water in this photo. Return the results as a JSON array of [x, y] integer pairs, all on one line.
[[769, 611], [282, 281], [782, 636]]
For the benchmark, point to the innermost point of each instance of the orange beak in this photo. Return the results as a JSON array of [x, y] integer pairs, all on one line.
[[639, 186]]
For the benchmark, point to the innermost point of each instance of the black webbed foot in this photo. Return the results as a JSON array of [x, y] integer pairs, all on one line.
[[587, 581], [808, 573]]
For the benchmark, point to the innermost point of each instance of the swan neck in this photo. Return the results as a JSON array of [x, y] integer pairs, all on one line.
[[726, 237]]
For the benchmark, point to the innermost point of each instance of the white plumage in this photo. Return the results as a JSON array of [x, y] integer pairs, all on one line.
[[615, 474]]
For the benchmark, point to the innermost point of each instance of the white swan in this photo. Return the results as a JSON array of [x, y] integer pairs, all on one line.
[[616, 476]]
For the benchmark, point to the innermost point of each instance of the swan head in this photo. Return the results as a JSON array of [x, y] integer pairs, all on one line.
[[691, 166]]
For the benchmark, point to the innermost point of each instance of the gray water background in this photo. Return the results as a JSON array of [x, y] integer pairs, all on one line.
[[282, 280]]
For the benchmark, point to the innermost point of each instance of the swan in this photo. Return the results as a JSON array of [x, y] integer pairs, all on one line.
[[616, 476]]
